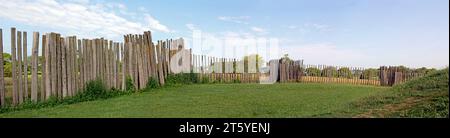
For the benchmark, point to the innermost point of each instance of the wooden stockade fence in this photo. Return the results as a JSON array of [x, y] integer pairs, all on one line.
[[226, 70], [296, 71], [395, 75], [68, 63], [290, 71], [340, 74]]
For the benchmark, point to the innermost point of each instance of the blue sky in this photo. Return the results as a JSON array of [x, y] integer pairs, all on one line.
[[366, 33]]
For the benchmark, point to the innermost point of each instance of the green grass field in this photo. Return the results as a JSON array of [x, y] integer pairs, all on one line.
[[422, 97], [218, 100]]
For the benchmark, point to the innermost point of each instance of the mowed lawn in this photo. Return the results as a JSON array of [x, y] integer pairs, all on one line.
[[218, 101]]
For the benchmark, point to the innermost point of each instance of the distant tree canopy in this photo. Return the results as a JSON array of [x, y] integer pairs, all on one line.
[[7, 67], [423, 70], [7, 64], [313, 71], [286, 57], [370, 73], [345, 72], [329, 72]]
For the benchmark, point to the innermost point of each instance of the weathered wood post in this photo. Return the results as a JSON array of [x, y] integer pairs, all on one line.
[[141, 84], [106, 64], [123, 67], [19, 72], [78, 59], [82, 63], [25, 66], [2, 81], [53, 53], [58, 73], [69, 65], [14, 71], [34, 67], [74, 65], [63, 67], [116, 66], [43, 67], [160, 71]]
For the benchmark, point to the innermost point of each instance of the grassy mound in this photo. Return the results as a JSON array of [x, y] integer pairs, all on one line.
[[435, 81], [425, 97]]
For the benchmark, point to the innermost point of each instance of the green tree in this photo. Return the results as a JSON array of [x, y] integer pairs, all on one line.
[[286, 57], [7, 66], [345, 72], [329, 72], [369, 73], [423, 70], [313, 71]]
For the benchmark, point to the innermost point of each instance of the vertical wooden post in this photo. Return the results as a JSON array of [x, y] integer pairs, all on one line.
[[77, 65], [106, 64], [34, 67], [14, 72], [53, 63], [48, 59], [19, 72], [94, 58], [135, 61], [58, 71], [160, 73], [139, 61], [131, 60], [117, 65], [43, 67], [25, 66], [14, 66], [82, 62], [152, 55], [63, 67], [123, 67], [68, 65], [2, 81], [145, 58], [88, 58], [74, 66]]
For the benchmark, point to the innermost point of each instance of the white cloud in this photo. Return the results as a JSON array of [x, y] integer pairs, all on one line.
[[142, 9], [310, 27], [292, 27], [235, 19], [155, 24], [82, 17], [320, 27], [258, 30], [191, 26]]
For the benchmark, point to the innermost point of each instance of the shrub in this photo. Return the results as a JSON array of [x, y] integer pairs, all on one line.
[[94, 90], [129, 85], [181, 78], [236, 81], [152, 83], [205, 79]]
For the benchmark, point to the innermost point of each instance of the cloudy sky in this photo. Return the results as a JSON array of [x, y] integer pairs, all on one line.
[[366, 33]]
